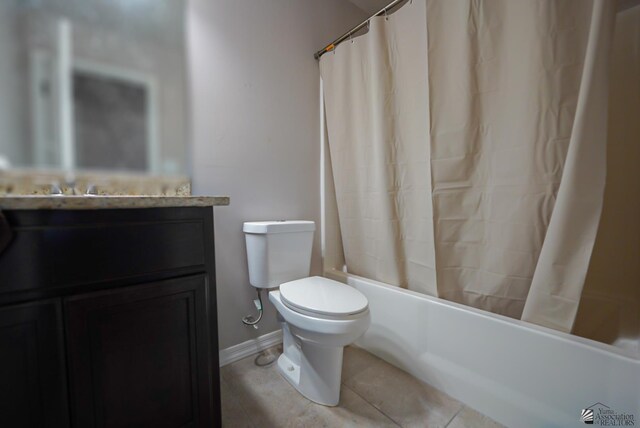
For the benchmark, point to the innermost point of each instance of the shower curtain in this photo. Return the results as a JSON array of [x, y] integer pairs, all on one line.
[[468, 143], [376, 112]]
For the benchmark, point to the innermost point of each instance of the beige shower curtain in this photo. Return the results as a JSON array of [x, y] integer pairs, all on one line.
[[376, 111], [497, 173]]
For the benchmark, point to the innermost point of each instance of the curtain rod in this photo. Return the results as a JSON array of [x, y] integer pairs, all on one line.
[[331, 46], [623, 5]]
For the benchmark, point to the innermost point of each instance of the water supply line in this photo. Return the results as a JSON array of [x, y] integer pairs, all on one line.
[[249, 319]]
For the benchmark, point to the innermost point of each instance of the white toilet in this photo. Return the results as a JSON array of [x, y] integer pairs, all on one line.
[[319, 316]]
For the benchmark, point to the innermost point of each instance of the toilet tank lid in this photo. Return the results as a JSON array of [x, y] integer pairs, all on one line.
[[280, 226]]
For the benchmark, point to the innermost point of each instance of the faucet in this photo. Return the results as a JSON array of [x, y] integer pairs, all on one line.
[[55, 189], [91, 190]]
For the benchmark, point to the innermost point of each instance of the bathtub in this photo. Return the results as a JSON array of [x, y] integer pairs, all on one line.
[[519, 374]]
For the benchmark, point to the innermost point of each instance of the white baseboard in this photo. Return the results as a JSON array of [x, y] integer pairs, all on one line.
[[250, 347]]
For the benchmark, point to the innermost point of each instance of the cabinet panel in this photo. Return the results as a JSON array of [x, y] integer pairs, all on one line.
[[33, 387], [136, 357]]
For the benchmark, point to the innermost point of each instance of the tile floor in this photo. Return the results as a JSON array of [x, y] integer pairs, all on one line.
[[374, 394]]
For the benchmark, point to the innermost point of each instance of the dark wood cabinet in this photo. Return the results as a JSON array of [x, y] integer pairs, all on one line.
[[136, 356], [33, 390], [117, 325]]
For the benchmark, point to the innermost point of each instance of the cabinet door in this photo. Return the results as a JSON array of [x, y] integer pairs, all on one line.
[[139, 356], [33, 391]]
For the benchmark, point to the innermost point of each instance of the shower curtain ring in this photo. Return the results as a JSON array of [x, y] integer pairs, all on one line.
[[350, 38], [386, 17]]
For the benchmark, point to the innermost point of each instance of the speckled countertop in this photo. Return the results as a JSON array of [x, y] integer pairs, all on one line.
[[46, 202]]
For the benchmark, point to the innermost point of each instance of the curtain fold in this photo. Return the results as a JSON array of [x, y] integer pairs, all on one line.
[[610, 303], [468, 140], [515, 214], [564, 260]]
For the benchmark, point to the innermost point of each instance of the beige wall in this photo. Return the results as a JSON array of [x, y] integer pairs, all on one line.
[[610, 305], [256, 132]]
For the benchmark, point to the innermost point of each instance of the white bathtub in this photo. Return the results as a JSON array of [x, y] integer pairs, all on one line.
[[519, 374]]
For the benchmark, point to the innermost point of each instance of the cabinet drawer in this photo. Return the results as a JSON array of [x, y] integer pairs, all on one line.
[[85, 248], [97, 253]]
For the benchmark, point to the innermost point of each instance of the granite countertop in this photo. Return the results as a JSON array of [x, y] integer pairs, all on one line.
[[48, 202]]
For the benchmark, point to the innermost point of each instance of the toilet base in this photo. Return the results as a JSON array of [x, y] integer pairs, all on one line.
[[318, 373], [288, 370]]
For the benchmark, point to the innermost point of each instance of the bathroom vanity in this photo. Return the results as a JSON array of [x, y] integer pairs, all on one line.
[[108, 312]]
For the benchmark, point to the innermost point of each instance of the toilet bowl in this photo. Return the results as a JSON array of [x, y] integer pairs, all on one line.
[[319, 316], [313, 342]]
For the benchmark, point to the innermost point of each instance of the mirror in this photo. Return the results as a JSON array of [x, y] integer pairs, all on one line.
[[93, 85]]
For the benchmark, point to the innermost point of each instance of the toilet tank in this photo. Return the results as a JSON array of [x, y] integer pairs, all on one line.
[[278, 251]]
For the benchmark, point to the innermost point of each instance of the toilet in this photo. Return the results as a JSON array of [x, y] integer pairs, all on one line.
[[319, 316]]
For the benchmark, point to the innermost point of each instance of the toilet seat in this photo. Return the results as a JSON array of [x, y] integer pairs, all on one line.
[[323, 298]]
